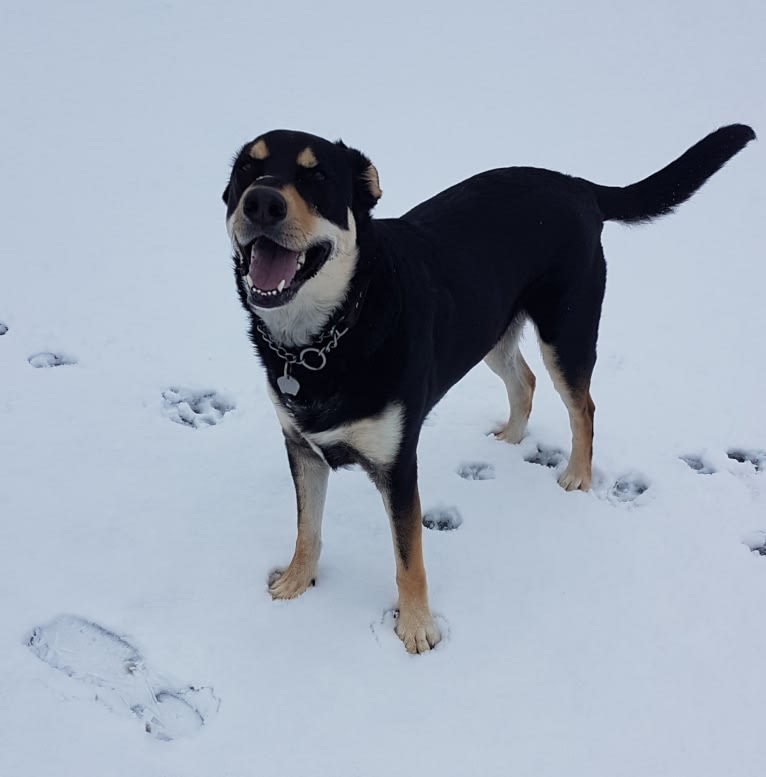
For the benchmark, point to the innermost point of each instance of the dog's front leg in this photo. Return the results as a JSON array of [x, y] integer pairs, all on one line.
[[310, 473], [415, 625]]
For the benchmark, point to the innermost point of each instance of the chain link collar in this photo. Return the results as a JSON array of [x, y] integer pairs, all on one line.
[[317, 357], [313, 357]]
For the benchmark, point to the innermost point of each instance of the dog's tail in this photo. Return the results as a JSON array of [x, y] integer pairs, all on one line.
[[661, 193]]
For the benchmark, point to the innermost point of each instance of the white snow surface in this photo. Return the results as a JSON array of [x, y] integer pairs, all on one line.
[[584, 635]]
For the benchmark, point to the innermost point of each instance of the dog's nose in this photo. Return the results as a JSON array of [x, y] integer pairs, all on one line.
[[265, 206]]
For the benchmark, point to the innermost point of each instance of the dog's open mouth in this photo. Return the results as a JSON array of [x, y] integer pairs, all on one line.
[[275, 273]]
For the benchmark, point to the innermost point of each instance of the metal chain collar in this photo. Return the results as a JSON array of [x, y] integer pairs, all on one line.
[[311, 352], [313, 357]]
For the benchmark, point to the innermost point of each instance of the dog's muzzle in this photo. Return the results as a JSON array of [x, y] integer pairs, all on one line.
[[265, 207], [274, 274], [272, 266]]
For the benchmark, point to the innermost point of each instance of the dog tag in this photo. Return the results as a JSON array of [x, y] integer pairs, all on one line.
[[287, 383]]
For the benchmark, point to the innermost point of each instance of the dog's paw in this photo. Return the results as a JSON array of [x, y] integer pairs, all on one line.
[[511, 432], [418, 630], [383, 630], [572, 479], [291, 582]]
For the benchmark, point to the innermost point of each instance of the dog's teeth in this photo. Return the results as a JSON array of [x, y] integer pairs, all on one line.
[[248, 282], [301, 260], [281, 285]]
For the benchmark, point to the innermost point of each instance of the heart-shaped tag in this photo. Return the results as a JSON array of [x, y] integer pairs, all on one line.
[[288, 385]]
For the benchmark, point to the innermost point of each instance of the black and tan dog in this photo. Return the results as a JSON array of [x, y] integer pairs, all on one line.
[[363, 325]]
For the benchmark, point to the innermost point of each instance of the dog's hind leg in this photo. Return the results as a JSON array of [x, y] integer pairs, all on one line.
[[415, 625], [567, 327], [579, 404], [310, 474], [506, 361]]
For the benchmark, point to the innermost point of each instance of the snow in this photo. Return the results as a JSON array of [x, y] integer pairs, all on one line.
[[614, 632]]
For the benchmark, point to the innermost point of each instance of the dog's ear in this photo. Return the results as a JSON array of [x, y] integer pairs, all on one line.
[[366, 183], [225, 195]]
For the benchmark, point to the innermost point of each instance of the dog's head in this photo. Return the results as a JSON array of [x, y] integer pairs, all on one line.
[[294, 202]]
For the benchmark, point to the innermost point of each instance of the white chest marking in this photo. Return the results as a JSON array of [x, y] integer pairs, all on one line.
[[377, 439]]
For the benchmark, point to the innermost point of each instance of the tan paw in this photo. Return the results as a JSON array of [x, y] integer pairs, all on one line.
[[417, 630], [572, 480], [511, 433], [291, 582]]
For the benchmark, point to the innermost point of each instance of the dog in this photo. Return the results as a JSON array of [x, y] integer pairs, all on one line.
[[364, 324]]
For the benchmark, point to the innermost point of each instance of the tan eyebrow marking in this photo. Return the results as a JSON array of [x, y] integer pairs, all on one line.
[[259, 149], [306, 158]]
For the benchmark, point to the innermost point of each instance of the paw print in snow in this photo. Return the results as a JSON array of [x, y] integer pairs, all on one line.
[[442, 518], [476, 470], [628, 488], [50, 359], [195, 408], [546, 457], [698, 464], [744, 456]]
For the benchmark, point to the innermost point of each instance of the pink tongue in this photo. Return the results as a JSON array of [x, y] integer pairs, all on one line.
[[270, 264]]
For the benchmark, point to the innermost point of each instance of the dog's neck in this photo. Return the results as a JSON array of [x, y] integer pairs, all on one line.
[[321, 299], [305, 317], [301, 324]]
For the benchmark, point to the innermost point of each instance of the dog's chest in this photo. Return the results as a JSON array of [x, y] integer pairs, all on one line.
[[372, 441]]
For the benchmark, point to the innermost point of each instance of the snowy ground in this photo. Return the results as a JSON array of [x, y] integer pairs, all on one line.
[[610, 633]]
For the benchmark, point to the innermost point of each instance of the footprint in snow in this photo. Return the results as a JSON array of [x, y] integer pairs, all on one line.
[[442, 518], [195, 408], [756, 541], [546, 457], [628, 488], [476, 470], [698, 464], [754, 457], [121, 681], [50, 359], [757, 458]]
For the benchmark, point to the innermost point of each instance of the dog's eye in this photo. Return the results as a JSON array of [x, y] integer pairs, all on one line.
[[313, 174], [246, 168]]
